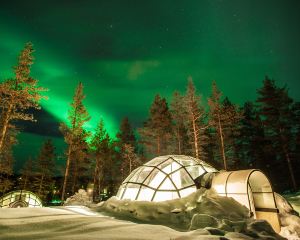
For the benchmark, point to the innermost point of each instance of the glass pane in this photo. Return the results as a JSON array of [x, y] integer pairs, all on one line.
[[155, 178], [163, 196], [156, 161], [259, 182], [186, 162], [121, 190], [131, 175], [131, 191], [167, 185], [240, 198], [169, 166], [209, 169], [145, 194], [263, 200], [136, 175], [181, 179], [143, 174], [195, 171], [187, 191]]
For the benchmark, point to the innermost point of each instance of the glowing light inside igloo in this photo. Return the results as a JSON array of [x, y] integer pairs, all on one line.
[[164, 178]]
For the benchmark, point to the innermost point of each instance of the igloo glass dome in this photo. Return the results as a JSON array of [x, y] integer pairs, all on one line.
[[164, 178], [20, 198]]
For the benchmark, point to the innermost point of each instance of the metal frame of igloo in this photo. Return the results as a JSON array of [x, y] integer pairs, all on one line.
[[164, 178]]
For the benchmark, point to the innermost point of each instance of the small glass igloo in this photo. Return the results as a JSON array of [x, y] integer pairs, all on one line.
[[20, 198], [164, 178]]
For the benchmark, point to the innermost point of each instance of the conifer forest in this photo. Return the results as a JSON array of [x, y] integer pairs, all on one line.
[[261, 134]]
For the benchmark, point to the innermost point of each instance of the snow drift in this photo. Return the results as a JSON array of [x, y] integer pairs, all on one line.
[[203, 209]]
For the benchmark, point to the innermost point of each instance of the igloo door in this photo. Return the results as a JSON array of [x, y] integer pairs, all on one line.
[[263, 199], [252, 189]]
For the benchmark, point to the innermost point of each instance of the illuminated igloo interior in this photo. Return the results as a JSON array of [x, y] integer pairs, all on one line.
[[20, 198], [164, 178]]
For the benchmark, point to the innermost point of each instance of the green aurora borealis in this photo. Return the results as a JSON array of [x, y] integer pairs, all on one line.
[[125, 52]]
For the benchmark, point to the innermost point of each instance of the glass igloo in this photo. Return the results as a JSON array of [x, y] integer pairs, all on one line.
[[20, 198], [164, 178]]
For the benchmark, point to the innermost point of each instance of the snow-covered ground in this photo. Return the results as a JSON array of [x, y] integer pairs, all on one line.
[[202, 215], [80, 223], [294, 200]]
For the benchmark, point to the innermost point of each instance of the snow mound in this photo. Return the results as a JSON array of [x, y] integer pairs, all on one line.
[[289, 218], [80, 198], [202, 210]]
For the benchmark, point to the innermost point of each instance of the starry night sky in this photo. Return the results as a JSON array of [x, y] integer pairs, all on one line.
[[126, 51]]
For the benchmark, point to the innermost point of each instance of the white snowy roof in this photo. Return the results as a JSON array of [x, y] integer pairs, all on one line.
[[164, 178]]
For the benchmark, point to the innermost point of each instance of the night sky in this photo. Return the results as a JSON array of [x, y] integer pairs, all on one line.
[[125, 52]]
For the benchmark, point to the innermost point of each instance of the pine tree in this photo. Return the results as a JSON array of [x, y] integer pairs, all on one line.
[[232, 116], [275, 109], [196, 118], [296, 147], [223, 120], [80, 166], [45, 168], [252, 141], [18, 94], [156, 133], [126, 134], [126, 148], [74, 133], [99, 147], [179, 115], [27, 175], [131, 160], [6, 161]]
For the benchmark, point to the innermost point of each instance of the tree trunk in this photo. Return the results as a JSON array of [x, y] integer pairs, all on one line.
[[96, 177], [25, 182], [99, 183], [179, 140], [130, 164], [41, 184], [75, 175], [5, 125], [288, 160], [158, 145], [222, 143], [66, 174], [195, 138]]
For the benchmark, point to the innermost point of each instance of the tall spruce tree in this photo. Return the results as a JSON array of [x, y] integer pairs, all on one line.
[[27, 175], [296, 147], [7, 160], [80, 166], [231, 121], [130, 160], [196, 120], [74, 133], [18, 95], [99, 148], [179, 115], [223, 119], [45, 170], [126, 134], [156, 133], [275, 109], [252, 141], [127, 148]]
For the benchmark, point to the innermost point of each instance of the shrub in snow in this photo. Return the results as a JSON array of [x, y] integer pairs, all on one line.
[[203, 209], [79, 198]]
